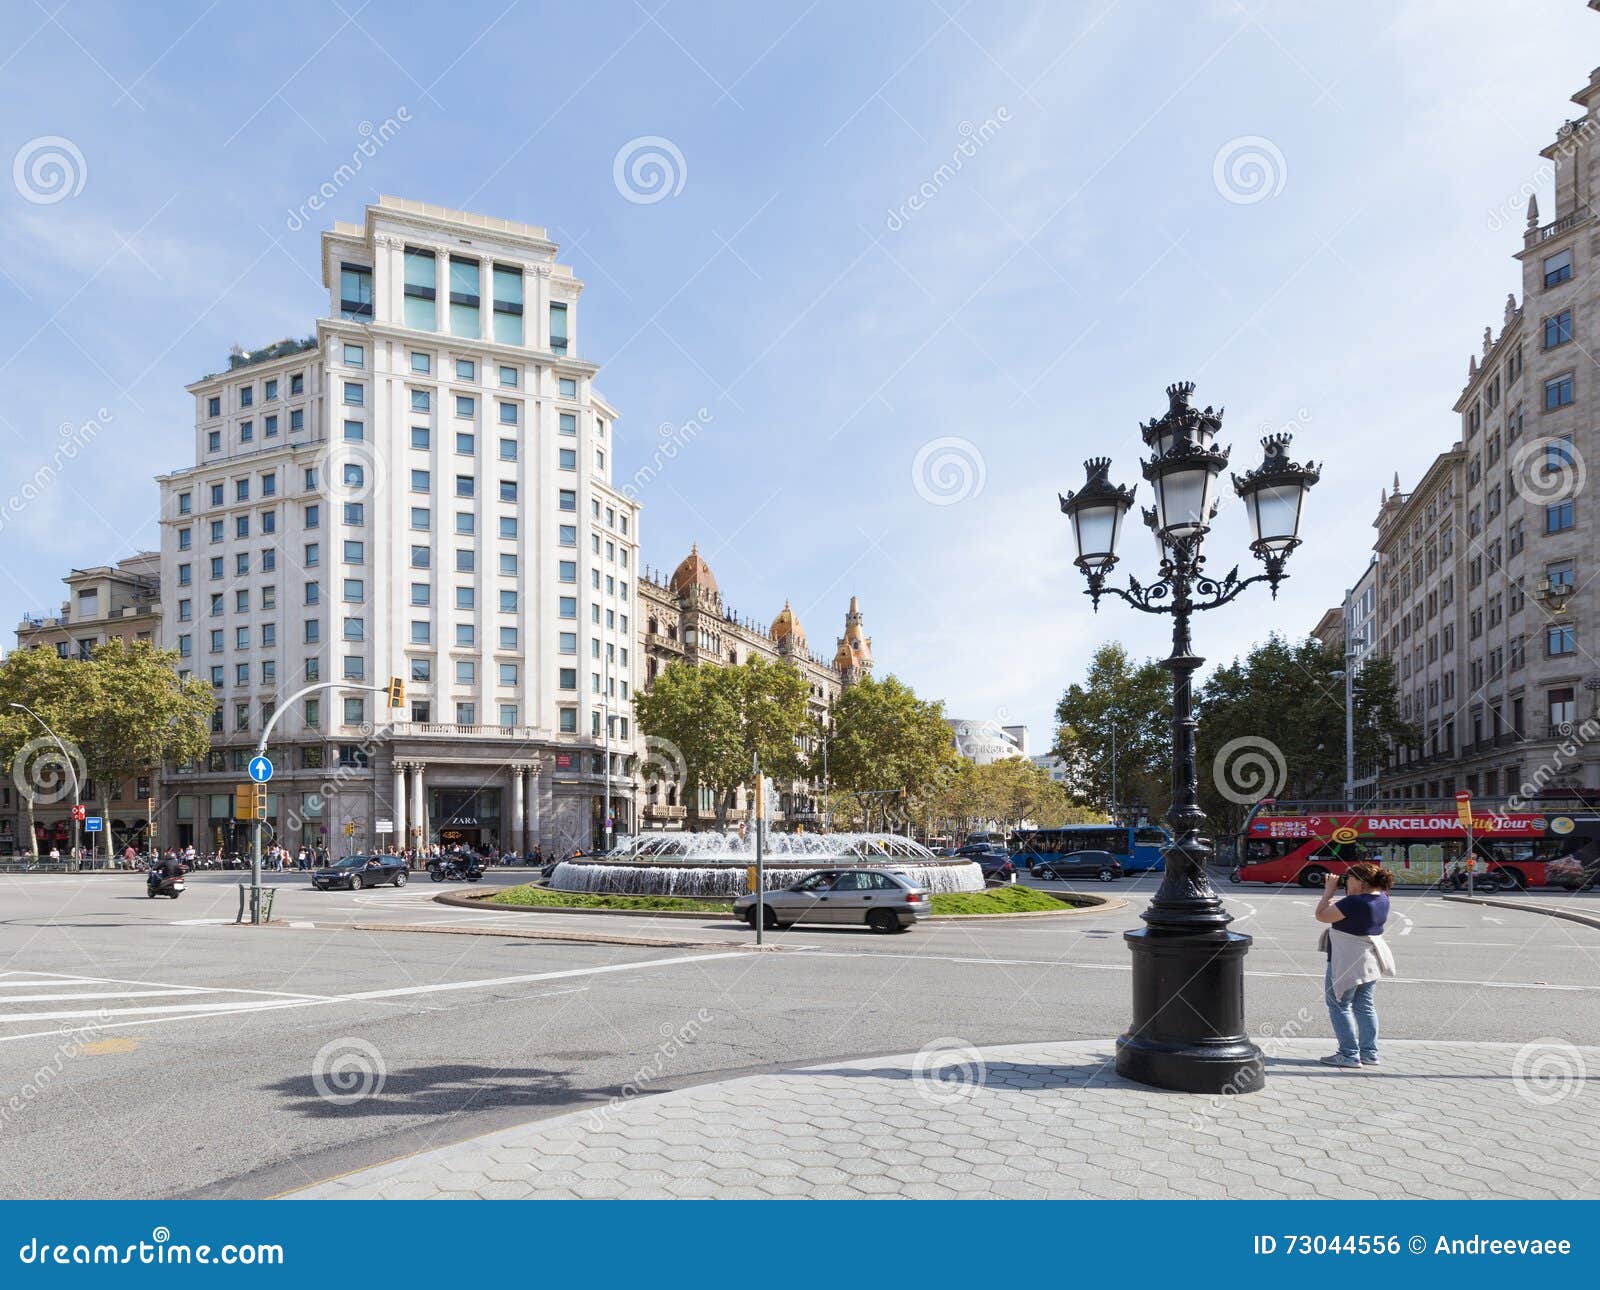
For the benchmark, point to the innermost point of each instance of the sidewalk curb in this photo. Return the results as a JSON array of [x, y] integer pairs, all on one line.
[[1524, 907], [539, 934]]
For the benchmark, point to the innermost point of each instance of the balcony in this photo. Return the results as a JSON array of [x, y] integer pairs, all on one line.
[[456, 730], [1536, 236], [660, 811]]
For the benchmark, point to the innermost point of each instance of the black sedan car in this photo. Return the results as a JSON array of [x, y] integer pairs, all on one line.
[[356, 872], [1080, 864]]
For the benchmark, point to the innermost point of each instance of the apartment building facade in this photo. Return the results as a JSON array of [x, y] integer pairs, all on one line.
[[420, 490], [1484, 566]]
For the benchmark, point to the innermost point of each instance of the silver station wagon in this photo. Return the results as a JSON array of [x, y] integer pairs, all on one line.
[[877, 898]]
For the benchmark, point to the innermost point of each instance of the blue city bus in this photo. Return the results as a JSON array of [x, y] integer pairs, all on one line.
[[1138, 847]]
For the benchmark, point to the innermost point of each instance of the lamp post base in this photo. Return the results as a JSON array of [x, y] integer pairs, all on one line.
[[1188, 1029]]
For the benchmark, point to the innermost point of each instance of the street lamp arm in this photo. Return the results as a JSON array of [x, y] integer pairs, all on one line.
[[1172, 594]]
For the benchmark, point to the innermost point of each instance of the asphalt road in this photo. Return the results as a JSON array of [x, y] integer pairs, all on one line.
[[218, 1060]]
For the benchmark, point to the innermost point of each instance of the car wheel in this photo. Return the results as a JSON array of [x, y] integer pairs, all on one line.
[[769, 918], [750, 917], [357, 882], [400, 878], [1105, 875], [1313, 876], [1044, 875], [883, 920]]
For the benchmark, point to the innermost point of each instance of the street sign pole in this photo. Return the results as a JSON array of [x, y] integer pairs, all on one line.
[[761, 861], [1464, 812]]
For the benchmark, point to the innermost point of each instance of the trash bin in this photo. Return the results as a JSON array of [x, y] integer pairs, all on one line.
[[244, 915]]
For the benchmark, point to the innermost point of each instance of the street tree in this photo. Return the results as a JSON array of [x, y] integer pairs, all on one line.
[[1272, 724], [132, 715], [719, 719], [1128, 705], [48, 685], [888, 748]]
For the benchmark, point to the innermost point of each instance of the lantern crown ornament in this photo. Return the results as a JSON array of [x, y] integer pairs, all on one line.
[[1096, 512]]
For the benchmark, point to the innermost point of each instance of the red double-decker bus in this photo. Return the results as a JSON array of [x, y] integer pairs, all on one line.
[[1283, 843]]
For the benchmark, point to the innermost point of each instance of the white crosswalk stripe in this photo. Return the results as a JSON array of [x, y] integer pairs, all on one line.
[[29, 1000]]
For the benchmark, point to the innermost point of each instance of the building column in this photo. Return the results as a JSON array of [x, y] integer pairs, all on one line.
[[419, 806], [517, 839], [399, 810], [535, 805]]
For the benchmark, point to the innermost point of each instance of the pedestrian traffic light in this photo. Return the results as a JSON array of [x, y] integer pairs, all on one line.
[[244, 802], [80, 813], [397, 692]]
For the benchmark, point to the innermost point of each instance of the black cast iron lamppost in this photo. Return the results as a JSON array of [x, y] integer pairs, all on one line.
[[1188, 969]]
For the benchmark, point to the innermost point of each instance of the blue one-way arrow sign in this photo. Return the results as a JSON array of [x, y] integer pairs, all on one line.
[[260, 769]]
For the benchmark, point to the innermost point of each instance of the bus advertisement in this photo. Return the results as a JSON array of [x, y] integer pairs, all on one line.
[[1423, 848]]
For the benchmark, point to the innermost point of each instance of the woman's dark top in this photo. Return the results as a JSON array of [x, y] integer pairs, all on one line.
[[1363, 915]]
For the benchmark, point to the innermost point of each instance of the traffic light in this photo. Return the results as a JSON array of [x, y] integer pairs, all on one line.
[[397, 692], [260, 802], [80, 813], [244, 802]]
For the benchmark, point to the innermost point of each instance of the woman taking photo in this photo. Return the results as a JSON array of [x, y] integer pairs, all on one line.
[[1357, 957]]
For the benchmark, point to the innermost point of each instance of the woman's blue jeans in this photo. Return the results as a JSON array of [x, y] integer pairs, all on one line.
[[1354, 1018]]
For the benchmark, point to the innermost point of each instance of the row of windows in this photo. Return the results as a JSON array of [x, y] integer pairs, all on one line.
[[246, 394], [463, 311]]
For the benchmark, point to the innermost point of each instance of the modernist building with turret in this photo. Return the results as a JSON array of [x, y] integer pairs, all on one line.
[[685, 620]]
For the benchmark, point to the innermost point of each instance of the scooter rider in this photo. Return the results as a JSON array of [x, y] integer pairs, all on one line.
[[165, 870]]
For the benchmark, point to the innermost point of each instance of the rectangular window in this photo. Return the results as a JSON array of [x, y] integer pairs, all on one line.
[[355, 553], [354, 356], [1557, 268], [272, 427], [568, 607], [421, 593], [355, 394], [508, 450], [1558, 517], [241, 526], [421, 281], [247, 431], [355, 291], [465, 486], [421, 364], [567, 535], [567, 387], [567, 499], [355, 514], [354, 431], [509, 377], [297, 419], [464, 289], [558, 329], [507, 304], [313, 515], [567, 570], [568, 422], [508, 564], [1558, 329], [466, 598], [508, 602], [355, 590], [567, 642], [1558, 392], [269, 485], [421, 633], [466, 634], [421, 481], [214, 406], [569, 721], [313, 555], [421, 401], [508, 638], [1560, 639], [508, 414], [508, 526], [465, 405], [568, 458], [420, 438], [466, 444], [421, 557], [466, 672], [508, 490], [313, 592]]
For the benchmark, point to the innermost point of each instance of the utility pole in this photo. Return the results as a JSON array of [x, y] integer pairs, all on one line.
[[761, 860], [1115, 818], [1349, 710]]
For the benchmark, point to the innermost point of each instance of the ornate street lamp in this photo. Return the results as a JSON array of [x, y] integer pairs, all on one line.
[[1188, 1028]]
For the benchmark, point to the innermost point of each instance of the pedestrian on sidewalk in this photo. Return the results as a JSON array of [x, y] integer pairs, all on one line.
[[1358, 957]]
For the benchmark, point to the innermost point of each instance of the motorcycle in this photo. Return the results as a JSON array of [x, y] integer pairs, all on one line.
[[456, 867], [158, 885]]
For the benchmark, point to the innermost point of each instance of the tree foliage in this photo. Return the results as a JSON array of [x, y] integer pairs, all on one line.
[[1004, 794], [890, 750], [1128, 703], [720, 718], [1272, 724]]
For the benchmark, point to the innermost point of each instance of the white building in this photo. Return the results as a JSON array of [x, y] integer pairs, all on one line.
[[421, 490]]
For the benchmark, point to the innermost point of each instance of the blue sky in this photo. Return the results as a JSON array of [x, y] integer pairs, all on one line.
[[1308, 209]]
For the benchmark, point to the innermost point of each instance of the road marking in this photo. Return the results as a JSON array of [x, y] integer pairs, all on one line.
[[107, 994], [1406, 920], [203, 1011], [1488, 918]]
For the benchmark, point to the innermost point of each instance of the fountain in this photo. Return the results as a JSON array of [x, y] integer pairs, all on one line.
[[717, 864]]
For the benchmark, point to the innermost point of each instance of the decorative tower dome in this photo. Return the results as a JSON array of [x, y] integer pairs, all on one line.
[[694, 575], [787, 634], [854, 657]]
